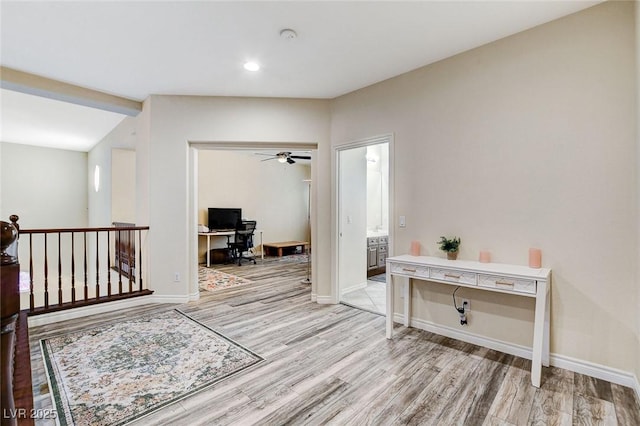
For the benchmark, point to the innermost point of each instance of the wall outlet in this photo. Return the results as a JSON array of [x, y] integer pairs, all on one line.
[[466, 303], [176, 277]]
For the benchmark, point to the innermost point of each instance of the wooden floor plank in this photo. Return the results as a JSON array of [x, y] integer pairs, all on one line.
[[626, 405], [331, 364]]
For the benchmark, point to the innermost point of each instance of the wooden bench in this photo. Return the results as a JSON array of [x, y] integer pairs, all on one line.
[[285, 247]]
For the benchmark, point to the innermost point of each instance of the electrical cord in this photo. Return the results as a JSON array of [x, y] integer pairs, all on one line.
[[454, 299], [461, 310]]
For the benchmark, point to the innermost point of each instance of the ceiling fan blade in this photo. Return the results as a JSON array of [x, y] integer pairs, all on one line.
[[290, 161], [301, 157], [267, 159], [261, 153]]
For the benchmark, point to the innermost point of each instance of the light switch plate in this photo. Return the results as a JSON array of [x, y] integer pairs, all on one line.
[[403, 222]]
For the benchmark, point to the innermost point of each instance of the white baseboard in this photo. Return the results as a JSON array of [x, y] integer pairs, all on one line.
[[353, 288], [194, 296], [325, 300], [598, 371], [314, 297], [465, 336], [100, 308]]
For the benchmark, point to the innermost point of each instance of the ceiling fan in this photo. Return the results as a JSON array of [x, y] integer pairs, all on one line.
[[285, 157]]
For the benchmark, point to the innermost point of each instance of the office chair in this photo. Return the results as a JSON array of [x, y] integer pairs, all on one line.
[[243, 241]]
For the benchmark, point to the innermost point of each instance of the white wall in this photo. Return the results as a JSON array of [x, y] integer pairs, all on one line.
[[526, 141], [122, 136], [46, 187], [272, 193], [175, 120]]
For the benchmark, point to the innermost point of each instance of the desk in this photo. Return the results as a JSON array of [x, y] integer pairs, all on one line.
[[227, 234], [502, 278]]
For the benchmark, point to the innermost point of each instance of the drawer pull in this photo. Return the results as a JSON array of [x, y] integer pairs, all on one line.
[[408, 270], [452, 276], [507, 283]]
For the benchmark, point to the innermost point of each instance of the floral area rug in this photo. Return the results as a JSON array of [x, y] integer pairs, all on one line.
[[212, 279], [117, 373]]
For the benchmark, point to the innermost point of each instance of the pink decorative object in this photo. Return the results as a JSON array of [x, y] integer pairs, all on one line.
[[485, 256], [535, 258], [415, 248]]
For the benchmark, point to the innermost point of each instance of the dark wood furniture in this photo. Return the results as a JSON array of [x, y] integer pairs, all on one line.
[[17, 398]]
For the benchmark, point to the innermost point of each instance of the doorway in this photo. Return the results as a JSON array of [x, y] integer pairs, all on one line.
[[364, 211], [240, 187]]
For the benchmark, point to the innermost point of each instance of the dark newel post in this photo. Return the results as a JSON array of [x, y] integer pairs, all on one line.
[[10, 308]]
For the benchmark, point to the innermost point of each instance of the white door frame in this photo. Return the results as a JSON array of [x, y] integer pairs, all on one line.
[[192, 157], [335, 196]]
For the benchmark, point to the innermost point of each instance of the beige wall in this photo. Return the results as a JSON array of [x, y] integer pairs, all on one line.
[[123, 185], [272, 193], [527, 141], [175, 120]]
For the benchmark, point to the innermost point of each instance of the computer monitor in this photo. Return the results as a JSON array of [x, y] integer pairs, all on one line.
[[224, 218]]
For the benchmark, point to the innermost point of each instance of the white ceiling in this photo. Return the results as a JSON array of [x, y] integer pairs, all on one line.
[[134, 49]]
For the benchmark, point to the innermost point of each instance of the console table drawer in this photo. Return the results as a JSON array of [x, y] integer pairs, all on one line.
[[453, 276], [507, 283], [410, 270]]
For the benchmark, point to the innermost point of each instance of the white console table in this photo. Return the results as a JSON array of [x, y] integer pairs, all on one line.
[[502, 278]]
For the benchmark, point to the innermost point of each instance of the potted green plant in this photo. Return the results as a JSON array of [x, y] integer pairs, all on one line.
[[450, 246]]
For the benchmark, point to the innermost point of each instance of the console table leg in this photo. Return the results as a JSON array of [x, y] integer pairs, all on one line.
[[547, 329], [407, 303], [539, 333], [390, 303]]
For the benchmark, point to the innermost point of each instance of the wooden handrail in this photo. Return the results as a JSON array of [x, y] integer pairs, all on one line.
[[91, 273], [98, 229]]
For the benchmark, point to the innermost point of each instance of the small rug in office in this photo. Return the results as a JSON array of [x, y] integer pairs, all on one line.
[[119, 372], [213, 280], [293, 258]]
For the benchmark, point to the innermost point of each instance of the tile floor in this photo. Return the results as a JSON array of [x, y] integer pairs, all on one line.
[[371, 298]]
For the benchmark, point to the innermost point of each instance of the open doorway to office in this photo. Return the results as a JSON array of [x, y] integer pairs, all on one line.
[[251, 179], [364, 199]]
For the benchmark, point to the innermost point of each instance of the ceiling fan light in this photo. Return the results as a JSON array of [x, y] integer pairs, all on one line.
[[282, 159]]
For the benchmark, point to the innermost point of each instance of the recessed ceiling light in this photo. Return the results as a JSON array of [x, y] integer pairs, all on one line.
[[251, 66]]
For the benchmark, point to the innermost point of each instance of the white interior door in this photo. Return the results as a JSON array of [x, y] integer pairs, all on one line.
[[364, 206], [352, 219]]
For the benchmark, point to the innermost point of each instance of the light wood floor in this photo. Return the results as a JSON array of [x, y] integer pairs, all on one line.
[[331, 364]]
